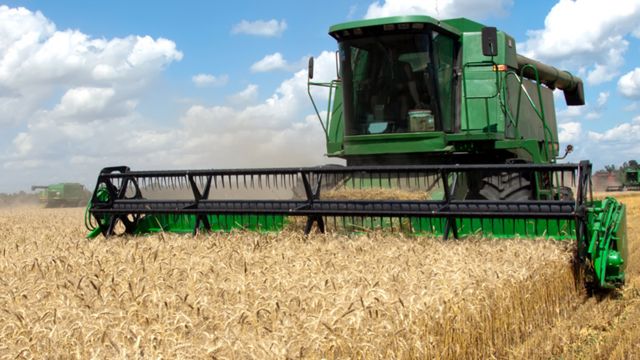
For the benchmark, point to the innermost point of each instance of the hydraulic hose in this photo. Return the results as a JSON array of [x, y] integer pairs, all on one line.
[[102, 195]]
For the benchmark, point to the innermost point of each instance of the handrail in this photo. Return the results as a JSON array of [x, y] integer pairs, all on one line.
[[331, 85], [540, 113]]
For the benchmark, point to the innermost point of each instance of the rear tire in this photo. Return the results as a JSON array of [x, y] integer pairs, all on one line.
[[505, 186]]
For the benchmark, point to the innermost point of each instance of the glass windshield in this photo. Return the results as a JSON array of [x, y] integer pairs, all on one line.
[[390, 83]]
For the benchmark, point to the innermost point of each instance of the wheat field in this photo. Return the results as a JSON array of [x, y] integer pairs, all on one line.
[[245, 295]]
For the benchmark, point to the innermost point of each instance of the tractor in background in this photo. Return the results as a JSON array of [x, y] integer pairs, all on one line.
[[62, 195], [630, 181]]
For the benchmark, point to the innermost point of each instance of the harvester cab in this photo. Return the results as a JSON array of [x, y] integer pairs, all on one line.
[[445, 130], [631, 179], [413, 90]]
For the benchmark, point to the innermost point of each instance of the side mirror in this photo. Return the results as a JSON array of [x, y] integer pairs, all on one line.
[[310, 70], [569, 149], [489, 41]]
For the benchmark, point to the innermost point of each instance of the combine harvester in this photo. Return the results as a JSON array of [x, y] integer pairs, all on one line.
[[62, 195], [443, 109], [631, 181]]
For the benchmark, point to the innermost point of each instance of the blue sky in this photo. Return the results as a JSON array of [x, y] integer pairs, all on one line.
[[86, 84]]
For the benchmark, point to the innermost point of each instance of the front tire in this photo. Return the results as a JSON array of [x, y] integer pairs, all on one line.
[[506, 186]]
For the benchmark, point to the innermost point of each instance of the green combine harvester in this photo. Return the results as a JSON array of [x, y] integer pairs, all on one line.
[[444, 109], [631, 181], [62, 195]]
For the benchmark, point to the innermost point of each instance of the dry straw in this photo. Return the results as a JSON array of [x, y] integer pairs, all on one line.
[[248, 295], [374, 193]]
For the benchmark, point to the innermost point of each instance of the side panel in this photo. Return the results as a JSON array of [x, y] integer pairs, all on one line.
[[74, 192], [529, 119], [55, 192]]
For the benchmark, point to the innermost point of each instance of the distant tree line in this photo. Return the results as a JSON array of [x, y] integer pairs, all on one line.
[[633, 164], [619, 171]]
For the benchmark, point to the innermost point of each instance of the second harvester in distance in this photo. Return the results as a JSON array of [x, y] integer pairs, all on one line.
[[631, 181]]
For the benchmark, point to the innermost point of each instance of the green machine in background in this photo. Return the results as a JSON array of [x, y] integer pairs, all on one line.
[[447, 109], [630, 181], [63, 195]]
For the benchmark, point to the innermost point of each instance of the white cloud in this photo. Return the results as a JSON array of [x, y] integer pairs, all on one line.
[[570, 113], [245, 97], [270, 62], [611, 146], [569, 132], [591, 112], [603, 97], [23, 143], [84, 100], [629, 84], [265, 28], [443, 9], [148, 51], [631, 107], [275, 62], [585, 34], [617, 144], [93, 125], [203, 80], [593, 115], [276, 132], [627, 133], [352, 11], [37, 61], [65, 95]]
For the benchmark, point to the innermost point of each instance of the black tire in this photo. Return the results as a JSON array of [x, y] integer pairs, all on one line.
[[506, 186], [565, 193]]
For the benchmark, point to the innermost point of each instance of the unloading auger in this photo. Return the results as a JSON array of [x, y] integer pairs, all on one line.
[[445, 130]]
